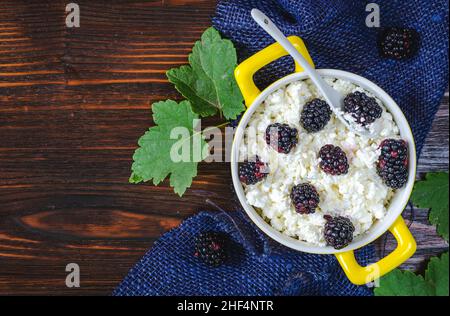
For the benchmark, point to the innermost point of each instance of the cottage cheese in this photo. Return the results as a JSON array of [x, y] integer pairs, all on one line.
[[359, 195]]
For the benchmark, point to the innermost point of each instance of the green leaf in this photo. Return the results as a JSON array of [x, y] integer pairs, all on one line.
[[198, 91], [437, 274], [433, 193], [430, 193], [406, 283], [403, 283], [154, 159], [208, 82]]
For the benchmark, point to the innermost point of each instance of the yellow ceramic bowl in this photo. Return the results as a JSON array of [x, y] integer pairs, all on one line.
[[392, 221]]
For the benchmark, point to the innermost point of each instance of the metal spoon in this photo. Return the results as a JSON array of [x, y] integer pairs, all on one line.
[[333, 97]]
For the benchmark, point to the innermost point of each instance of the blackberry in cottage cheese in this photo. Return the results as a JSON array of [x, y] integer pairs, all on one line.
[[359, 194]]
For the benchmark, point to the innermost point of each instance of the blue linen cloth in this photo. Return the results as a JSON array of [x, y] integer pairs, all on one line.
[[258, 266], [337, 37]]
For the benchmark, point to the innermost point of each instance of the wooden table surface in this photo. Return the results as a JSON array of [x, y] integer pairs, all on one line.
[[73, 103]]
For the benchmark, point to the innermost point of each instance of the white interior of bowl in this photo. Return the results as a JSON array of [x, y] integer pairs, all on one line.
[[399, 200]]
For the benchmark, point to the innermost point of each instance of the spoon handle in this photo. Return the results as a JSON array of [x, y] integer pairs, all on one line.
[[333, 97], [329, 93]]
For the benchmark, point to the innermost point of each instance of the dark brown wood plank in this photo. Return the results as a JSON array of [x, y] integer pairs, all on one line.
[[73, 103]]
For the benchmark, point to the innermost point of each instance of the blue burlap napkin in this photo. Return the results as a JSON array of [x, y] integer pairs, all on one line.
[[258, 266], [337, 37]]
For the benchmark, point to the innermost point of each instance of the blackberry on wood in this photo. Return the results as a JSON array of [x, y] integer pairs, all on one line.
[[364, 109], [281, 137], [398, 43], [305, 198], [251, 172], [333, 160], [315, 115], [338, 231], [211, 248]]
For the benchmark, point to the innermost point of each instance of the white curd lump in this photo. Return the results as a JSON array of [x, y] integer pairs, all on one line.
[[359, 195]]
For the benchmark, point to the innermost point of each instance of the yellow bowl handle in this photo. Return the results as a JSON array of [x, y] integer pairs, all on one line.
[[246, 70], [406, 246]]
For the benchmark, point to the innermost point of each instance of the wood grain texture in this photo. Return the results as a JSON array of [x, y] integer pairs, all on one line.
[[73, 103]]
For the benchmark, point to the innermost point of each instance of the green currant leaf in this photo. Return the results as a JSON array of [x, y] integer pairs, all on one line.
[[208, 82], [154, 159]]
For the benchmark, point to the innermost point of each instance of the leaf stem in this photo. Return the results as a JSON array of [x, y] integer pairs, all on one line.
[[210, 128]]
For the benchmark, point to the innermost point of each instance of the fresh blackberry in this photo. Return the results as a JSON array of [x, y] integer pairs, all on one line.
[[211, 248], [315, 115], [393, 152], [251, 172], [364, 109], [398, 43], [394, 176], [333, 160], [305, 198], [338, 231], [281, 137], [392, 164]]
